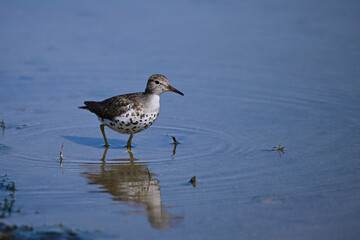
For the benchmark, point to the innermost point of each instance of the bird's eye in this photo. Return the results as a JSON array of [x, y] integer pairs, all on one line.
[[157, 82]]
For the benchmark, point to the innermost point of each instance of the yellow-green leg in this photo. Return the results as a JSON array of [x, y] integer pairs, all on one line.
[[128, 145], [131, 156], [103, 133], [104, 155]]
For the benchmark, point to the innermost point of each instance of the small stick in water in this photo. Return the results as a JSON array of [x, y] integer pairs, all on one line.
[[175, 142], [2, 124], [193, 181], [61, 157], [280, 149], [174, 139], [61, 152]]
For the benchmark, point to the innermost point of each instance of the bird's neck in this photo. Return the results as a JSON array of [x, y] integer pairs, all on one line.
[[152, 102], [147, 91]]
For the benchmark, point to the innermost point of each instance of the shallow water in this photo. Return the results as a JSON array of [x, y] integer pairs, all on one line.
[[254, 74]]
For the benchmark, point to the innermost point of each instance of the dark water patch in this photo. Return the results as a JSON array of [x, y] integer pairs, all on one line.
[[2, 146], [13, 126], [3, 127], [4, 149], [55, 232], [7, 196], [25, 78], [44, 69]]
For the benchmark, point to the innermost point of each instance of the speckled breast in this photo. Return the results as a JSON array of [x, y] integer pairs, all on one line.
[[131, 122]]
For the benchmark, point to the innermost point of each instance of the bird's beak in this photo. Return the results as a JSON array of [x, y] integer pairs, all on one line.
[[170, 88]]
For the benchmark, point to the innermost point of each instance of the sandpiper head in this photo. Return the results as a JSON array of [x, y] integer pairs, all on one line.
[[158, 84]]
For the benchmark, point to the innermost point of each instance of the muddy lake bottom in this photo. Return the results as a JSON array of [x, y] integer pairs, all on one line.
[[269, 124]]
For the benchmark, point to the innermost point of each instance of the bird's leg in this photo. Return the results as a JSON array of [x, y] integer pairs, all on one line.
[[104, 155], [131, 157], [128, 145], [103, 133]]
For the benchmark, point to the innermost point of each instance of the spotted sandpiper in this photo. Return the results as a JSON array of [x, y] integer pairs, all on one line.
[[134, 112]]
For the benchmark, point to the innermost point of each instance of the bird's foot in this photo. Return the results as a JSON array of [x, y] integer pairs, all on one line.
[[128, 149]]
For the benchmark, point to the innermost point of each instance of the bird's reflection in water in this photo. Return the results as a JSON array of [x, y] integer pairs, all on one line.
[[132, 183]]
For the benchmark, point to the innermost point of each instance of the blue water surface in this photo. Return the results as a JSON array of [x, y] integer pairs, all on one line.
[[269, 123]]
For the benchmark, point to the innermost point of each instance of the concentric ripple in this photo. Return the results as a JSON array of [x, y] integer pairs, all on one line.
[[84, 144]]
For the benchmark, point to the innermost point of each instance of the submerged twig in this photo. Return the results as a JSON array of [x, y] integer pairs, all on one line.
[[2, 125], [21, 126], [193, 181], [175, 142], [174, 151], [61, 152], [279, 148], [6, 205], [174, 139], [61, 158]]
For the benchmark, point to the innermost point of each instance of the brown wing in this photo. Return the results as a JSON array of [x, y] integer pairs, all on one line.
[[115, 106]]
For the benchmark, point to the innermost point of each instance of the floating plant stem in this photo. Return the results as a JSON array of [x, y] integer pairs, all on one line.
[[2, 125], [61, 152], [61, 157], [174, 139], [279, 148], [193, 181], [175, 142], [6, 205]]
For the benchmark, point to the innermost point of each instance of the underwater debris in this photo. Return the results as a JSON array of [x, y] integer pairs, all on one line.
[[279, 148], [193, 181], [2, 125], [21, 126], [2, 146], [61, 157], [174, 139], [6, 205], [61, 152], [58, 231]]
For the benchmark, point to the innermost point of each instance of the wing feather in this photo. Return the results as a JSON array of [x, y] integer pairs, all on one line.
[[114, 106]]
